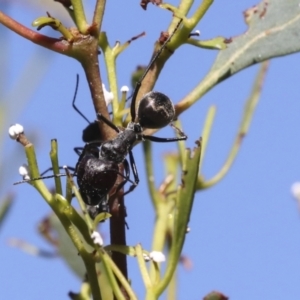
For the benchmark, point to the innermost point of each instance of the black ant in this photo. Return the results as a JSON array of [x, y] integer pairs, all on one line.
[[97, 168]]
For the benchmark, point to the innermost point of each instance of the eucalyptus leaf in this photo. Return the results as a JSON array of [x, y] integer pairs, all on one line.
[[274, 30]]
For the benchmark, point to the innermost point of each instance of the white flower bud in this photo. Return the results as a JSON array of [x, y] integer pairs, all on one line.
[[108, 96], [157, 256], [97, 239], [124, 89], [24, 172], [15, 130]]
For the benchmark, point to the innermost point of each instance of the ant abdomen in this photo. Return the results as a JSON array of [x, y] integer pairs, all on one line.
[[96, 177], [155, 110]]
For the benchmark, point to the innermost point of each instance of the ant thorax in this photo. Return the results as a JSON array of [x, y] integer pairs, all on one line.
[[117, 149]]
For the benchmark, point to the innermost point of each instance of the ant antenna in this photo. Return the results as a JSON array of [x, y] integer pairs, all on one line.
[[139, 83], [74, 98]]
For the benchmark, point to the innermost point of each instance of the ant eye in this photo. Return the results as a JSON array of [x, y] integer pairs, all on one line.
[[155, 110]]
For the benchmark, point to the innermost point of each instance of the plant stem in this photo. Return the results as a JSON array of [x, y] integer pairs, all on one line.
[[185, 197], [39, 39], [55, 166], [79, 15], [98, 14]]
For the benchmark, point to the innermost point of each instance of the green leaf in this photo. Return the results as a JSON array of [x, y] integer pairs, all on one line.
[[101, 218], [46, 21], [55, 24], [274, 30], [218, 43]]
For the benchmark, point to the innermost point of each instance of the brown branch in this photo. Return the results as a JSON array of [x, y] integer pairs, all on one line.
[[56, 45]]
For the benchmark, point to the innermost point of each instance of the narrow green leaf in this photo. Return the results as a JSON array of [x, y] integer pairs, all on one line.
[[41, 22]]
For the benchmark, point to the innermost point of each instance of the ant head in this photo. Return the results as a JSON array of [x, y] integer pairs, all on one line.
[[155, 110], [91, 133]]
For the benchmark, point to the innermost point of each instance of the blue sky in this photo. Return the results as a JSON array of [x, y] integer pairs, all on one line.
[[245, 231]]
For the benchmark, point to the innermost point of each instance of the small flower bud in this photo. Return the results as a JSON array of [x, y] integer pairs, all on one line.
[[195, 33], [15, 130], [24, 172], [97, 239], [124, 89], [157, 256], [108, 96]]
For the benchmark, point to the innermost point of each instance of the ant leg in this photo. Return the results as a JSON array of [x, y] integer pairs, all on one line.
[[48, 170], [108, 122], [127, 176], [133, 167], [51, 169], [179, 131], [182, 136], [135, 174], [78, 150], [162, 140], [74, 99]]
